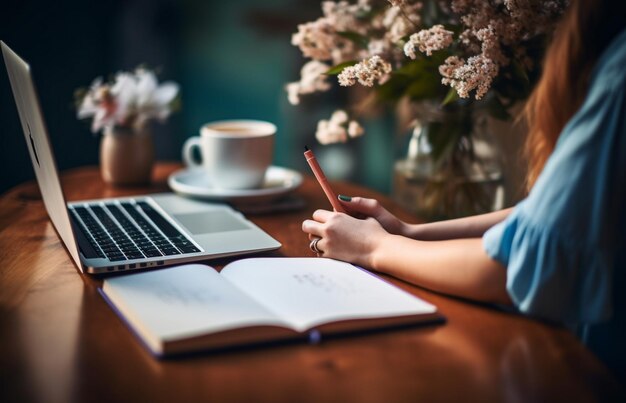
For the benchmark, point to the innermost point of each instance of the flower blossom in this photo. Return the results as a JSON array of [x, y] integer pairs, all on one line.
[[338, 129], [131, 100], [312, 79], [367, 72], [490, 45], [315, 39], [428, 41], [384, 33], [476, 73], [321, 39], [400, 20]]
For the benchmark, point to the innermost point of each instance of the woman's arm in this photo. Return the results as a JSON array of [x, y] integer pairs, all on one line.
[[468, 227], [457, 267]]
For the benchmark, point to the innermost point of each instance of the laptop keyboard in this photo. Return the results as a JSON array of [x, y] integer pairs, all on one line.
[[129, 230]]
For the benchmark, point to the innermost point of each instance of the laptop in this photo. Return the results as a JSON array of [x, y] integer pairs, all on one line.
[[130, 233]]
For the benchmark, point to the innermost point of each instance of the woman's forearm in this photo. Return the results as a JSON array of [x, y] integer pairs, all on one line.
[[457, 267], [468, 227]]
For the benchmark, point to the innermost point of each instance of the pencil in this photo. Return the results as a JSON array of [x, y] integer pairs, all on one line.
[[321, 179]]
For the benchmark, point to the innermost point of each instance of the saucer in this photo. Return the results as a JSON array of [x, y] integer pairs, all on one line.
[[193, 182]]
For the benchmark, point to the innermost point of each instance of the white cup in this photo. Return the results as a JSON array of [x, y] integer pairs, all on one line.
[[235, 153]]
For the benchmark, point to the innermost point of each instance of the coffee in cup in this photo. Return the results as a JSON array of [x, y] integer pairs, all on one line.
[[235, 153]]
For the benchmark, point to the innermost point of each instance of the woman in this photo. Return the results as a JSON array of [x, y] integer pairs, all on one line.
[[560, 254]]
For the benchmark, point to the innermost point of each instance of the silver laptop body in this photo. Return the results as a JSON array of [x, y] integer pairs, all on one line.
[[130, 233]]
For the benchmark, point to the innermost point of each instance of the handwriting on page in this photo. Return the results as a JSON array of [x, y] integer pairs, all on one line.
[[186, 296], [325, 283]]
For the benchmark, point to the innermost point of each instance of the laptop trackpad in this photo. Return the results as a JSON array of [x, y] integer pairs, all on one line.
[[209, 221]]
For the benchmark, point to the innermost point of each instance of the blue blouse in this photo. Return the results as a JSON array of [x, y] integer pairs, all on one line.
[[564, 246]]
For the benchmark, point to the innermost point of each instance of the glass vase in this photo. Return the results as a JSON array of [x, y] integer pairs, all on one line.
[[451, 168]]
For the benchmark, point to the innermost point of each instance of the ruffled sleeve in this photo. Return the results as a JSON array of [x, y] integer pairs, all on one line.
[[549, 274], [560, 244]]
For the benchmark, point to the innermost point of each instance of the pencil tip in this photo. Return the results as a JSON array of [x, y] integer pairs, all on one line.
[[306, 148]]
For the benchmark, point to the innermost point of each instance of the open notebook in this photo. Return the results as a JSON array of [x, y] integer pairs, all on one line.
[[193, 307]]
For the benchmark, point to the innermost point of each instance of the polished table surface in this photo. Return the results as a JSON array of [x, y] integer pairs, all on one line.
[[59, 341]]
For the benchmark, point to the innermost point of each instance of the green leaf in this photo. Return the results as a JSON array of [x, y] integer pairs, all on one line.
[[414, 68], [360, 40], [520, 72], [394, 88], [417, 79], [424, 88], [333, 71], [451, 96], [423, 65], [496, 108]]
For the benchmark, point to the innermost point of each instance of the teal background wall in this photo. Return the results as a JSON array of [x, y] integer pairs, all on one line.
[[232, 60]]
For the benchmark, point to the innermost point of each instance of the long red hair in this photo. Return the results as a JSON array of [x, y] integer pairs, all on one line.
[[586, 29]]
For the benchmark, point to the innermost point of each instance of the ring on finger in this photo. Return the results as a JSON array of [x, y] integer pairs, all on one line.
[[313, 245]]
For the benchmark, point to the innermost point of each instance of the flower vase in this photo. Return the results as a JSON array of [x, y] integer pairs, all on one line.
[[126, 156], [451, 169]]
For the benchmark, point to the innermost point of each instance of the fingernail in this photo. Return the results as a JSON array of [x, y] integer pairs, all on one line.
[[345, 198]]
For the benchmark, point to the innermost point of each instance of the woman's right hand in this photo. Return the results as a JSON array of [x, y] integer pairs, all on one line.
[[372, 208]]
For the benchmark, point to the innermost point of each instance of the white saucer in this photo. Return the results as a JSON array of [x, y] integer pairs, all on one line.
[[193, 182]]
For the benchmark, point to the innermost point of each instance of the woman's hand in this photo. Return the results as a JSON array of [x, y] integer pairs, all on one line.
[[457, 267], [372, 208], [344, 237]]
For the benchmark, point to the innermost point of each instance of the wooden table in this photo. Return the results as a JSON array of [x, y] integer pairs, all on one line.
[[59, 341]]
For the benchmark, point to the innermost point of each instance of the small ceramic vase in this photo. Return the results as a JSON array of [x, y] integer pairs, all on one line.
[[126, 156]]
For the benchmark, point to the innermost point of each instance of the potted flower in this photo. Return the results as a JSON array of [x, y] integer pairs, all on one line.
[[122, 109], [448, 66]]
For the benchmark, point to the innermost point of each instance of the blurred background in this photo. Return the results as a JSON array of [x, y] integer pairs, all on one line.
[[231, 59]]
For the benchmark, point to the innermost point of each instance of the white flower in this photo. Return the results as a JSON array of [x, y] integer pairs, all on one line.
[[476, 73], [131, 100], [355, 129], [312, 79], [401, 19], [321, 40], [99, 104], [367, 72], [378, 47], [153, 100], [293, 92], [428, 41], [123, 92], [488, 36], [338, 129], [315, 39]]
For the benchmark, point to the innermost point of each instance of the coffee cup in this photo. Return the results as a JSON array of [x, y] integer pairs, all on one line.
[[235, 154]]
